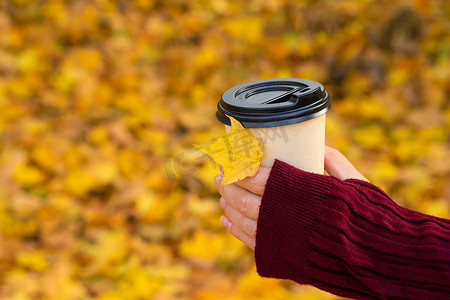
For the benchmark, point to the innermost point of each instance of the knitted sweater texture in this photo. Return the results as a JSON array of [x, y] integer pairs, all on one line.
[[349, 238]]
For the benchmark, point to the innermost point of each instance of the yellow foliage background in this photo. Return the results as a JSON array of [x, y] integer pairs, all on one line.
[[102, 195]]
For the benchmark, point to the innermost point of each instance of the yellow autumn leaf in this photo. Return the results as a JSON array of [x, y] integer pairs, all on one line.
[[104, 172], [207, 57], [98, 135], [27, 176], [44, 156], [202, 245], [150, 207], [436, 207], [249, 29], [239, 153], [34, 260], [371, 136], [79, 182]]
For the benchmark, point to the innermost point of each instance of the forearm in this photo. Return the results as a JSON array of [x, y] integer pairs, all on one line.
[[349, 238]]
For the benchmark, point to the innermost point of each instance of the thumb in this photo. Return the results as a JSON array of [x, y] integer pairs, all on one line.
[[336, 164], [257, 183]]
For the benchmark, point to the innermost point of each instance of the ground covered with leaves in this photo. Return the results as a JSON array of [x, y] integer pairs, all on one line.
[[101, 193]]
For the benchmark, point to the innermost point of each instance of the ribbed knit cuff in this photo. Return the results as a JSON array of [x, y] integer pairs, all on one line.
[[287, 220]]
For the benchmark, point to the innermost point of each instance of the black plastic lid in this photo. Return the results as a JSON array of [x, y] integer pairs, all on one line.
[[273, 102]]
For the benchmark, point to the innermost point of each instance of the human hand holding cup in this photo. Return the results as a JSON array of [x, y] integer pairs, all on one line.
[[241, 200]]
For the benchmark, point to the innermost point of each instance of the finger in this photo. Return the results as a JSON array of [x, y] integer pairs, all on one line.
[[257, 183], [246, 225], [336, 164], [237, 233], [244, 201], [218, 179]]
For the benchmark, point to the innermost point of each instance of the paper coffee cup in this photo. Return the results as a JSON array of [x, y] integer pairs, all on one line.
[[288, 114]]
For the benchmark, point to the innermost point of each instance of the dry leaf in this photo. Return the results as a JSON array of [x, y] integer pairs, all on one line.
[[239, 153]]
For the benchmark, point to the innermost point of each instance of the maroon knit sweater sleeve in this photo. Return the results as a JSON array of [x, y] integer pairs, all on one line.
[[349, 238]]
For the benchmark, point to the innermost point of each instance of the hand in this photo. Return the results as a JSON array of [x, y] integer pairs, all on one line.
[[241, 200]]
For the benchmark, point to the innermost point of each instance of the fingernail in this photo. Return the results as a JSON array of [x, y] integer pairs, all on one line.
[[221, 168], [226, 222], [218, 179], [223, 203]]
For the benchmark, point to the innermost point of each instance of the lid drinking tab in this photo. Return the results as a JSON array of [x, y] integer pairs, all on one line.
[[273, 102]]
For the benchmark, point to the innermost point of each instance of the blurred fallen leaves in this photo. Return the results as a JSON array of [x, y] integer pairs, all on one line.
[[102, 195]]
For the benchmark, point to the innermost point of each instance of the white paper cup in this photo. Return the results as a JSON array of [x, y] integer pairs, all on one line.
[[287, 114]]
